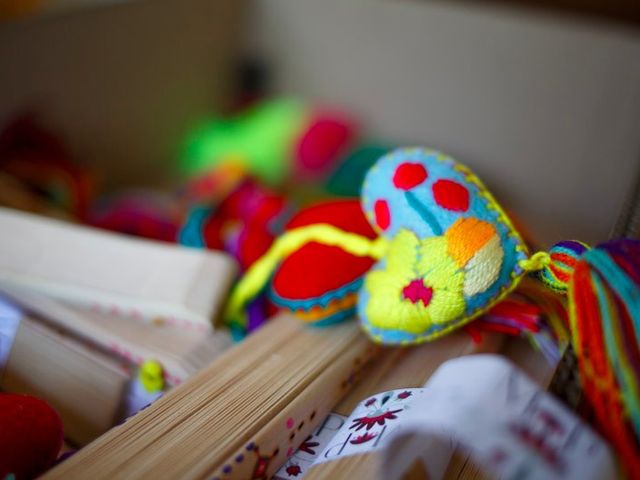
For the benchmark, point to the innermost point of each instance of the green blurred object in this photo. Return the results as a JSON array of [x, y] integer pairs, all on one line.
[[347, 179], [261, 139]]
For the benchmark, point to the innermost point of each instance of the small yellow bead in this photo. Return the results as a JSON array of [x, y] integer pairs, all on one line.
[[151, 376]]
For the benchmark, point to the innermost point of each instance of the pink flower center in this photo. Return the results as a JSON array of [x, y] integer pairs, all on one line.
[[417, 291]]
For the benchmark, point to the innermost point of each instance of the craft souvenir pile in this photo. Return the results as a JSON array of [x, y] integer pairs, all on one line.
[[414, 246], [446, 253]]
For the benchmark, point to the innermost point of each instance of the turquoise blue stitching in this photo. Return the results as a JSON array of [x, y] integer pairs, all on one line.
[[424, 213], [335, 318], [323, 300]]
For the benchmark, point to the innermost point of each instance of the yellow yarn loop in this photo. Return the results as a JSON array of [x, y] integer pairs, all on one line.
[[536, 262], [258, 274]]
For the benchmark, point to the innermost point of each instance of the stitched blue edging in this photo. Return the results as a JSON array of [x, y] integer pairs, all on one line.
[[335, 318], [323, 300]]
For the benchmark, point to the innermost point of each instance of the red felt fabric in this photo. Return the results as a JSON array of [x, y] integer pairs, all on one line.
[[382, 214], [241, 222], [316, 269], [409, 175], [451, 195], [30, 436], [257, 237]]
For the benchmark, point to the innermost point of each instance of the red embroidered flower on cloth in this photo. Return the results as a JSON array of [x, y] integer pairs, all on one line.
[[405, 394], [364, 438], [308, 446], [370, 421], [294, 470]]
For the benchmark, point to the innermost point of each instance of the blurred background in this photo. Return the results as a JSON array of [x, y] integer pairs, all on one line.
[[542, 101], [210, 123]]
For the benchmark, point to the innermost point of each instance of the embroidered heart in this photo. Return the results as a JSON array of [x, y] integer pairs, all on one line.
[[453, 253]]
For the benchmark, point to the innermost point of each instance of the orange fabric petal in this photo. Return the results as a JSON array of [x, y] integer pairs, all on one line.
[[466, 237]]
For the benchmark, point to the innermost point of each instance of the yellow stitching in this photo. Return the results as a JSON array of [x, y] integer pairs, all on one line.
[[537, 261]]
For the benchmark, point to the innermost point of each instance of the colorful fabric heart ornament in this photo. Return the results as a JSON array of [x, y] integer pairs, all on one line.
[[452, 250], [446, 252]]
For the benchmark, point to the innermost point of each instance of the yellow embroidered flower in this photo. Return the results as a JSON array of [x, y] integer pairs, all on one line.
[[421, 285]]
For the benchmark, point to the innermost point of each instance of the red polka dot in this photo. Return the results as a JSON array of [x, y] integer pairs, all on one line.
[[451, 195], [383, 216], [409, 175]]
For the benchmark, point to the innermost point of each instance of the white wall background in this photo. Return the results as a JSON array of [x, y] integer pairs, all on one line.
[[546, 111], [121, 82]]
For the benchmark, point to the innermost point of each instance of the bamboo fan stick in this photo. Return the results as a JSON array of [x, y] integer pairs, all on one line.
[[403, 368], [178, 403], [463, 468], [233, 416], [417, 471], [279, 438], [456, 465], [126, 443], [186, 401]]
